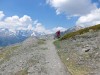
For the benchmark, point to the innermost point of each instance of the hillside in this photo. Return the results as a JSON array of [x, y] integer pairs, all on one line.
[[80, 51], [81, 31], [34, 56]]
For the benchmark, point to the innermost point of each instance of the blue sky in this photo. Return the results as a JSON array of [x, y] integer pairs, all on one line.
[[50, 13], [37, 9]]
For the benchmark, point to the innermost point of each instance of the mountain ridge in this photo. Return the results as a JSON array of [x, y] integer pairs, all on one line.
[[9, 37]]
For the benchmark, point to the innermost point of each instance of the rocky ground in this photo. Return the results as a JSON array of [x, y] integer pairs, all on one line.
[[81, 54], [31, 57]]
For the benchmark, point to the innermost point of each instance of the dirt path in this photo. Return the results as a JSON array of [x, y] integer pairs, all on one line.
[[32, 57], [55, 66]]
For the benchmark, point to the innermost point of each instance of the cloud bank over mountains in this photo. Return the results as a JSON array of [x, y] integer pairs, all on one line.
[[25, 22], [86, 10]]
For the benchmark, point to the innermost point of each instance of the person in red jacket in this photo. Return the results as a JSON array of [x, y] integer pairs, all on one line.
[[58, 34]]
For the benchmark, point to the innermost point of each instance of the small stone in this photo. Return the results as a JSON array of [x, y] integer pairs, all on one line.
[[87, 50], [67, 59]]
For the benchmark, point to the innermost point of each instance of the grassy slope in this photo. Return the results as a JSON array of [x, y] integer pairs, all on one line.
[[82, 31], [6, 54], [70, 57]]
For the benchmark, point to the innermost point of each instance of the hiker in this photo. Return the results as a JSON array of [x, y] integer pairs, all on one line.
[[57, 34]]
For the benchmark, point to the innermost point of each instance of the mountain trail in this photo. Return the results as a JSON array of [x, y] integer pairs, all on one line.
[[55, 66], [32, 57]]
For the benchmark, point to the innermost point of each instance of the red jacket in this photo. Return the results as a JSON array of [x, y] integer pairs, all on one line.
[[58, 33]]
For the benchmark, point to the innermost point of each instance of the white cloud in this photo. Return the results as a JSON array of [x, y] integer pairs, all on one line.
[[16, 22], [1, 15], [30, 27], [91, 19], [25, 22], [72, 7], [35, 22], [41, 29], [59, 28], [87, 11]]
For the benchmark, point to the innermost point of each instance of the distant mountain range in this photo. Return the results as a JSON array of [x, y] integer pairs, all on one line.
[[72, 29], [8, 37]]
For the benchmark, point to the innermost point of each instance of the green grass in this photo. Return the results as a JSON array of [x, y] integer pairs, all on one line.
[[43, 48], [41, 41], [82, 31], [22, 72], [5, 55], [57, 44], [8, 52], [71, 63]]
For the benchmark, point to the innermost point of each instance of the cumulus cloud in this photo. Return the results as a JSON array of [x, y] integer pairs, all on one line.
[[1, 15], [22, 23], [72, 7], [41, 29], [87, 11], [25, 22], [16, 22], [59, 28], [91, 19]]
